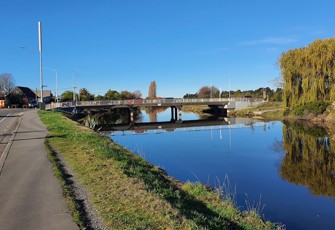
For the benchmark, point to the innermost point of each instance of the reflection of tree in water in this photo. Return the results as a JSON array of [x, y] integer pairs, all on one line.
[[153, 111], [95, 118], [309, 159], [152, 116]]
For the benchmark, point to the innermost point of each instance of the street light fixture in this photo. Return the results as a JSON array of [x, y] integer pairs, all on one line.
[[56, 80]]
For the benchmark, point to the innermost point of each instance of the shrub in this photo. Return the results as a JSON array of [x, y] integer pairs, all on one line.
[[315, 108]]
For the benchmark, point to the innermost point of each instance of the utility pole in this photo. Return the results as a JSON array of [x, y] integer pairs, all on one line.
[[74, 93], [40, 50], [74, 88]]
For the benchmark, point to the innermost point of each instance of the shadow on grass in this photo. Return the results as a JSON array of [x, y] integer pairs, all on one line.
[[158, 182]]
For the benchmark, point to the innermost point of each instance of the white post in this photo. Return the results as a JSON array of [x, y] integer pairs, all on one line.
[[40, 50], [56, 86]]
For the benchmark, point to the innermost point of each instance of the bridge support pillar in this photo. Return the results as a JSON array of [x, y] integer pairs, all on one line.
[[131, 115], [174, 113]]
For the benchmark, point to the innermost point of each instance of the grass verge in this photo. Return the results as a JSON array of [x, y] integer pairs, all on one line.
[[130, 193], [75, 205]]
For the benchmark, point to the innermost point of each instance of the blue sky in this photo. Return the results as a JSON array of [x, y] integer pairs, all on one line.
[[181, 44]]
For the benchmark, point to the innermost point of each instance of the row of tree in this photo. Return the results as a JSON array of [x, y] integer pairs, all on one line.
[[85, 95], [308, 73], [214, 92]]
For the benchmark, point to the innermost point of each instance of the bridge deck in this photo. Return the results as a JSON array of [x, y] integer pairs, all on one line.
[[150, 102]]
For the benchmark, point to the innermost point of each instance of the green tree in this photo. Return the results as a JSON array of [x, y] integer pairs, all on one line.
[[99, 97], [85, 95], [67, 96], [130, 95], [190, 95], [308, 73], [112, 95]]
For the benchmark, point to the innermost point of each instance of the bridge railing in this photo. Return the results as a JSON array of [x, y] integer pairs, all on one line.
[[146, 102]]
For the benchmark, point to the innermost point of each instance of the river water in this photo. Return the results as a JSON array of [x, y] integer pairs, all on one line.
[[286, 172]]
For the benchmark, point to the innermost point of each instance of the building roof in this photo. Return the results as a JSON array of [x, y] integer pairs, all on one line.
[[26, 91], [46, 93]]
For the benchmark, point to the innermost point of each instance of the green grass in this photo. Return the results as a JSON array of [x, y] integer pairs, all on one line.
[[267, 110], [75, 206], [130, 193], [194, 108]]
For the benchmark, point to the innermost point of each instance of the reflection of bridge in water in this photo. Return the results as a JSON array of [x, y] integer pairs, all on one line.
[[213, 123]]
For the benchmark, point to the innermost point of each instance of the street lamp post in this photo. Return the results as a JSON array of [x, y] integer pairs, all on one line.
[[40, 51]]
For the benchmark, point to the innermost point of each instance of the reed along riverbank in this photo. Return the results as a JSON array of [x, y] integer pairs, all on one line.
[[130, 193]]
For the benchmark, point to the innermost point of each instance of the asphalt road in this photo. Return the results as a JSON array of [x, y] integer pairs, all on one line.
[[8, 121], [30, 195]]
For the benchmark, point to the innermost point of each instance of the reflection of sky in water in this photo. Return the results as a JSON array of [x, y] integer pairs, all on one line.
[[166, 116], [248, 157]]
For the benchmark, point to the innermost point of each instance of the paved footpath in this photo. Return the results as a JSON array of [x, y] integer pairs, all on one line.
[[30, 195]]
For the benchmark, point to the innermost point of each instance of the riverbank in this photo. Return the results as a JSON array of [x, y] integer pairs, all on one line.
[[128, 192], [318, 113], [266, 110]]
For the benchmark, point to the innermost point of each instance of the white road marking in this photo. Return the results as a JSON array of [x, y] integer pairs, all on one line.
[[4, 117]]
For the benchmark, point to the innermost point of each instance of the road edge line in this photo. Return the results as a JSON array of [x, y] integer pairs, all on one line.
[[9, 145]]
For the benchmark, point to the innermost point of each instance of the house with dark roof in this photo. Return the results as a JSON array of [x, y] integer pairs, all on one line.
[[22, 96]]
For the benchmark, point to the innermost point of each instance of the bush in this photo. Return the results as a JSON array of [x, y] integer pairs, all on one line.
[[315, 108]]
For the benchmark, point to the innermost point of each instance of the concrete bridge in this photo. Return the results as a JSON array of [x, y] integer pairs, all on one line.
[[217, 105], [228, 103]]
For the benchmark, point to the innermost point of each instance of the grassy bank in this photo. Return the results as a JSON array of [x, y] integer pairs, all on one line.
[[194, 108], [315, 112], [266, 110], [130, 193]]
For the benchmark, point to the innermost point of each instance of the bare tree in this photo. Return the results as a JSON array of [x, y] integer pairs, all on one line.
[[137, 94], [278, 82], [152, 90], [6, 83]]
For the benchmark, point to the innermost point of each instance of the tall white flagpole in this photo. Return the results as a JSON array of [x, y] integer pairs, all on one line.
[[40, 50]]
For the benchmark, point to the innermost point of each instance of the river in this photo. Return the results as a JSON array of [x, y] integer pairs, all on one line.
[[285, 172]]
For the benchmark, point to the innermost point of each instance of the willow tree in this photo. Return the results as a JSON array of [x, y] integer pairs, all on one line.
[[309, 73]]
